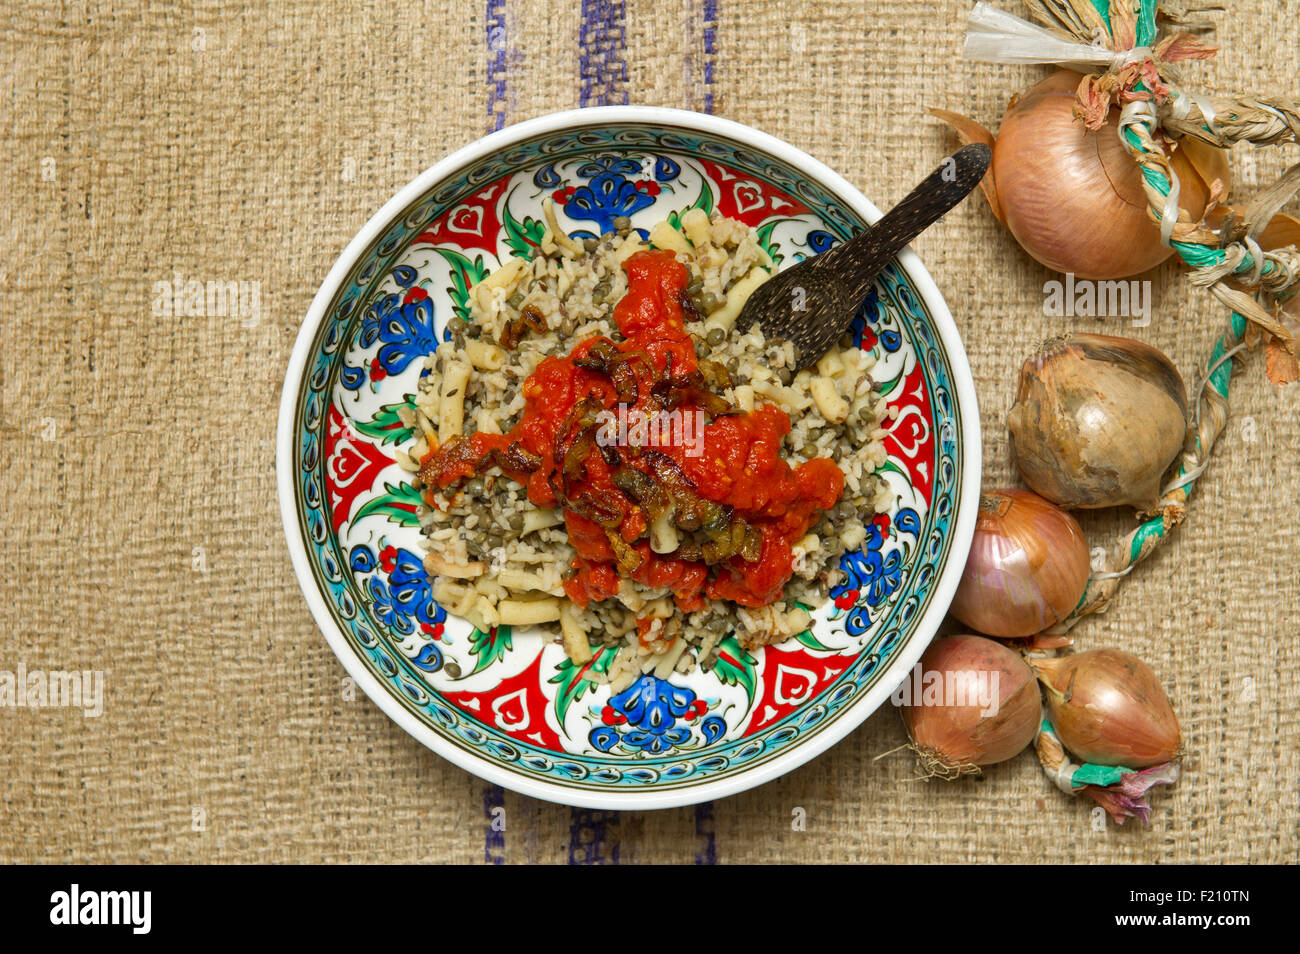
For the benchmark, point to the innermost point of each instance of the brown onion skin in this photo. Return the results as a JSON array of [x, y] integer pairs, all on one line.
[[1055, 179], [1283, 368], [960, 739], [1108, 708], [1046, 562], [1097, 421]]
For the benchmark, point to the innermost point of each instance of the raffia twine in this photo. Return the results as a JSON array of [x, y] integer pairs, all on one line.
[[1214, 259], [1074, 32]]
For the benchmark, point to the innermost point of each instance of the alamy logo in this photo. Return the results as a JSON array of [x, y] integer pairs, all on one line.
[[961, 688], [53, 689], [75, 907], [674, 428], [1085, 298], [212, 299]]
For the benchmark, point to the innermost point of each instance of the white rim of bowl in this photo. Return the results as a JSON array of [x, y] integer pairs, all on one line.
[[632, 799]]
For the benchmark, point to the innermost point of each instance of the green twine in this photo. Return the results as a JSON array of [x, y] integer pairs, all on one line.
[[1146, 22], [1102, 775], [1151, 531], [1087, 773], [1198, 256]]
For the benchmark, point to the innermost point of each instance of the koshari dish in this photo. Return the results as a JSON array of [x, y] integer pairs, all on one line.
[[613, 462], [724, 519]]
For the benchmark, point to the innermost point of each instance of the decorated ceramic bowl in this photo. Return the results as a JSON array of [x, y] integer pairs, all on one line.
[[508, 705]]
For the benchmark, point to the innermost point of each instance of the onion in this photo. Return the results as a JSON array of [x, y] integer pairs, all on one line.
[[1097, 421], [1108, 708], [1000, 712], [1073, 198], [1027, 568]]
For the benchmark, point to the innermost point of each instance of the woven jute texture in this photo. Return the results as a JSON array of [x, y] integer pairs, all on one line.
[[141, 533]]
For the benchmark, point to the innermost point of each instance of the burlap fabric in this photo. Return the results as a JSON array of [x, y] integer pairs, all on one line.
[[227, 142]]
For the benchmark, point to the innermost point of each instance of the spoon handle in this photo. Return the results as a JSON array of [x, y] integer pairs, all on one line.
[[857, 262]]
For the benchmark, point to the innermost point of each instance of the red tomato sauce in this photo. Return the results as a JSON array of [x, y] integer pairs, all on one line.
[[740, 465]]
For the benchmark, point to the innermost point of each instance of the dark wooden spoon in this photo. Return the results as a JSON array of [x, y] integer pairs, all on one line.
[[813, 302]]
